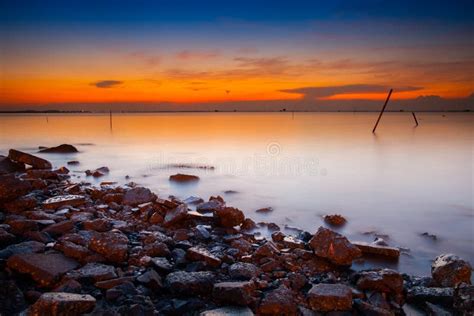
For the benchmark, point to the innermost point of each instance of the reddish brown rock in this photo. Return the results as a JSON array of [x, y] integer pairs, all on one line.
[[61, 149], [108, 284], [248, 224], [12, 187], [382, 280], [269, 249], [138, 195], [335, 220], [21, 204], [156, 218], [378, 250], [280, 301], [212, 205], [244, 271], [234, 293], [42, 174], [449, 270], [202, 254], [33, 161], [229, 216], [59, 228], [112, 245], [21, 226], [330, 297], [9, 166], [113, 197], [334, 247], [242, 245], [73, 250], [61, 200], [156, 249], [58, 303], [176, 216], [264, 210], [98, 225], [45, 269], [183, 178]]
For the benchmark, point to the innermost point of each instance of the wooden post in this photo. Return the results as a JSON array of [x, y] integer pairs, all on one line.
[[414, 116], [383, 109], [110, 118]]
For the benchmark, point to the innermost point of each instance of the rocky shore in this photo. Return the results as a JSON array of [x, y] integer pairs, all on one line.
[[72, 248]]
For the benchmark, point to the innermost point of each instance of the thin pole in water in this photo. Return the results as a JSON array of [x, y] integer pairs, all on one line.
[[414, 116], [383, 109], [110, 118]]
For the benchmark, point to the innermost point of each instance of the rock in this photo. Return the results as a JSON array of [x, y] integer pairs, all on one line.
[[61, 200], [330, 297], [21, 226], [234, 293], [293, 243], [151, 279], [108, 284], [176, 216], [335, 220], [99, 172], [264, 210], [435, 295], [268, 249], [156, 218], [73, 250], [211, 206], [57, 303], [9, 166], [156, 249], [464, 298], [297, 280], [190, 283], [98, 225], [33, 161], [93, 272], [435, 310], [73, 163], [193, 200], [12, 301], [59, 228], [45, 269], [449, 270], [280, 301], [243, 271], [11, 187], [69, 286], [334, 247], [138, 195], [21, 204], [162, 264], [202, 254], [23, 247], [228, 311], [112, 245], [61, 149], [6, 238], [248, 225], [183, 178], [382, 280], [430, 236], [367, 309], [374, 249], [229, 216]]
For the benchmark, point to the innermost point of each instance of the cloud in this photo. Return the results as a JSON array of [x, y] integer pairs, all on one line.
[[312, 93], [106, 83], [192, 54], [146, 58]]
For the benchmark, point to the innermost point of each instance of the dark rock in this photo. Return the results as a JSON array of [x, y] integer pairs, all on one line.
[[435, 295], [243, 271], [280, 301], [151, 279], [383, 280], [335, 220], [59, 228], [334, 247], [190, 283], [97, 173], [33, 161], [24, 247], [228, 311], [12, 300], [57, 303], [73, 163], [69, 286], [202, 254], [61, 149], [21, 204], [176, 216], [268, 249], [211, 206], [98, 225], [234, 293], [330, 297], [6, 238], [183, 178], [435, 310], [162, 264], [449, 270], [464, 298], [112, 245], [61, 200], [93, 272], [248, 224], [374, 249], [367, 309], [297, 280], [108, 284], [21, 226], [229, 216], [45, 269], [264, 210], [193, 200], [12, 187], [430, 236], [138, 195], [9, 166]]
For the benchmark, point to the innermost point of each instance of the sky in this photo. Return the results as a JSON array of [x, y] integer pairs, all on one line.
[[236, 55]]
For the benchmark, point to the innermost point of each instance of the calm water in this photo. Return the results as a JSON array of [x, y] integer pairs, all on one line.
[[401, 182]]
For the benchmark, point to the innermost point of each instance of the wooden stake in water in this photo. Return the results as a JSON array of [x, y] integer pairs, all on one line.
[[383, 109], [414, 116], [110, 118]]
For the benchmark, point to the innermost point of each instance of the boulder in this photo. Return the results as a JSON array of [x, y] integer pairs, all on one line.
[[367, 309], [61, 149], [243, 271], [234, 293], [22, 226], [98, 225], [112, 245], [11, 188], [378, 250], [435, 295], [12, 300], [9, 166], [183, 178], [229, 216], [464, 298], [93, 272], [33, 161], [381, 280], [59, 228], [176, 216], [202, 254], [228, 311], [23, 247], [334, 247], [151, 279], [45, 269], [138, 195], [335, 220], [190, 283], [449, 270], [211, 206], [21, 204], [58, 303], [268, 249], [61, 200], [264, 210], [330, 297], [280, 301]]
